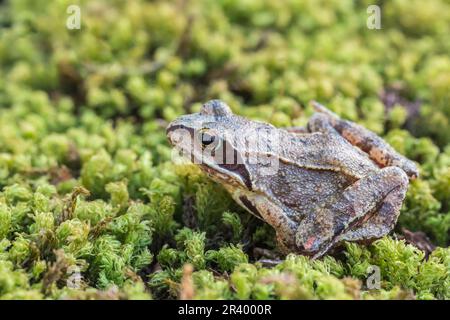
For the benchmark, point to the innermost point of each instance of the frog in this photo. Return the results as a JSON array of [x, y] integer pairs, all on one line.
[[334, 180]]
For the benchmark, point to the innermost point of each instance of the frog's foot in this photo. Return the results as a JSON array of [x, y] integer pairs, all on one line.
[[381, 222], [285, 246], [378, 150], [382, 191]]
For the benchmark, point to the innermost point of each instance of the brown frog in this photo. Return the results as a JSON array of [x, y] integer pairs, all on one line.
[[317, 186]]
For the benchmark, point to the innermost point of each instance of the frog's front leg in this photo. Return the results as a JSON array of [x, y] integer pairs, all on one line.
[[329, 223], [378, 150], [271, 213]]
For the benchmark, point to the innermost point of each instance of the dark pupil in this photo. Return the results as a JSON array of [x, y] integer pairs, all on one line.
[[207, 139]]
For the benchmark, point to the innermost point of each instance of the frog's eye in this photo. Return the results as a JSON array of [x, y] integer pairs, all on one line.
[[208, 139]]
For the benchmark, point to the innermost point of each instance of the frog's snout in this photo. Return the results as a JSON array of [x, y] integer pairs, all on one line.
[[175, 132], [170, 129]]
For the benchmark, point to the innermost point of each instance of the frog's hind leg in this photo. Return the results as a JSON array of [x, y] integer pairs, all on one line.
[[377, 149], [382, 191], [381, 222]]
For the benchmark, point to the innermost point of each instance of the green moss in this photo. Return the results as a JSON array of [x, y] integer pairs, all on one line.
[[299, 278], [86, 174], [227, 258]]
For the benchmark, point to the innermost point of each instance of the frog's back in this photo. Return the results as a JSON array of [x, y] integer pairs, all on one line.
[[301, 190], [320, 151], [313, 169]]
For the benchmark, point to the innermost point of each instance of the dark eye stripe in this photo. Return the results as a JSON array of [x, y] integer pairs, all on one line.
[[240, 170], [236, 166]]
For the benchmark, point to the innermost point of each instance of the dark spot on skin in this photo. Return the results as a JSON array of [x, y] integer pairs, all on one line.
[[249, 206], [366, 145], [339, 126], [338, 228]]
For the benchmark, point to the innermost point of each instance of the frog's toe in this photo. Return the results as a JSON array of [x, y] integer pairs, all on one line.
[[410, 169], [312, 245], [283, 247]]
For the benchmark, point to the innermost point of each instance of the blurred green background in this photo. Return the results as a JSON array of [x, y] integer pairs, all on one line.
[[91, 207]]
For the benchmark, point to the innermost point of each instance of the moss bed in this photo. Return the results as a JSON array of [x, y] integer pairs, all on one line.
[[91, 205]]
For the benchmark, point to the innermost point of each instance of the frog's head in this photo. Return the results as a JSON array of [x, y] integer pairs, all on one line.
[[217, 140]]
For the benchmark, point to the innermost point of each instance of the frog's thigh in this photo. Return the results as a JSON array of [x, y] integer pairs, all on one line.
[[382, 222], [378, 150], [322, 229]]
